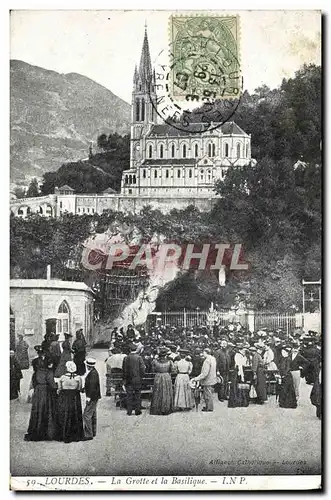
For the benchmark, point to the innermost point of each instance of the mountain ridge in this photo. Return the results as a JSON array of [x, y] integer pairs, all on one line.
[[54, 117]]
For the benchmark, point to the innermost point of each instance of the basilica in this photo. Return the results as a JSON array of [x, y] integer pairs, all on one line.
[[169, 168], [166, 161]]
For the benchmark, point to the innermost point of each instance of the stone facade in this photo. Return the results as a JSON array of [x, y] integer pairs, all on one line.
[[33, 302]]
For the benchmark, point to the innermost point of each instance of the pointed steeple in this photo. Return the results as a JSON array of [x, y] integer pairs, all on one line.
[[145, 66], [135, 75]]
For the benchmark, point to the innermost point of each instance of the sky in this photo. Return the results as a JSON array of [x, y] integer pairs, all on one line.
[[105, 45]]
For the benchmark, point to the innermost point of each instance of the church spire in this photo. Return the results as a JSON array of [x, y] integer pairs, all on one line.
[[145, 66]]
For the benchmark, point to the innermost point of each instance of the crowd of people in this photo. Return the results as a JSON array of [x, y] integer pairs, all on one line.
[[60, 375], [240, 366], [184, 364]]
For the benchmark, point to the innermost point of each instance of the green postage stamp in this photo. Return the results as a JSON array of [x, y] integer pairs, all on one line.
[[205, 57]]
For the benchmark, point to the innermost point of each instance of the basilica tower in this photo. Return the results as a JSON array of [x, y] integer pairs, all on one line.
[[142, 112]]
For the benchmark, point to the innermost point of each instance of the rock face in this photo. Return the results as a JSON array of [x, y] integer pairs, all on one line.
[[53, 118]]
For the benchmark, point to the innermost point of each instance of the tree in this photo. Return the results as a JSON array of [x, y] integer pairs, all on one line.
[[33, 189], [19, 192]]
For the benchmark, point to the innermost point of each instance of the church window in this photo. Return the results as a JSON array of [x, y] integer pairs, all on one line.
[[226, 154], [209, 150], [201, 175], [134, 179], [150, 151], [184, 150], [167, 174], [63, 318], [173, 151], [130, 179], [88, 210], [196, 150], [130, 191], [144, 173], [209, 175], [155, 174], [238, 150], [178, 173], [161, 151], [137, 110], [142, 110], [126, 179], [213, 150], [190, 173]]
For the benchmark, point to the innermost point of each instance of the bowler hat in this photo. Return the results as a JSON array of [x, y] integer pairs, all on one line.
[[163, 351]]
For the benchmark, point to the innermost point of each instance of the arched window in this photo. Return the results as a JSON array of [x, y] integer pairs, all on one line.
[[142, 110], [161, 151], [134, 179], [246, 150], [130, 179], [40, 210], [155, 174], [20, 211], [126, 179], [184, 150], [167, 174], [28, 210], [238, 150], [173, 151], [178, 173], [144, 173], [150, 151], [63, 322], [209, 150], [209, 175], [213, 150], [190, 173], [226, 147], [201, 175], [137, 110]]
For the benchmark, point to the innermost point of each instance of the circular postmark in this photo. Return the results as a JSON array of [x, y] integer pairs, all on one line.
[[205, 82]]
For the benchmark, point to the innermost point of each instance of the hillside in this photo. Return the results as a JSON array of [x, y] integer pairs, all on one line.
[[54, 117]]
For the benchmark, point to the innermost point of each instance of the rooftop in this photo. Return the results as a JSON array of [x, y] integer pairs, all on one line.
[[52, 283], [228, 128]]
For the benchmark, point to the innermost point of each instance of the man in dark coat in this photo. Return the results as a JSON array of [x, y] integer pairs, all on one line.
[[133, 373], [92, 391], [223, 361]]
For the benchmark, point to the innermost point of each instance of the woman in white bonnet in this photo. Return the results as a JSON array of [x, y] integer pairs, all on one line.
[[70, 420]]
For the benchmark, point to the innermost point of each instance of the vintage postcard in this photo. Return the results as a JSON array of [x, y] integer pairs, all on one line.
[[165, 237]]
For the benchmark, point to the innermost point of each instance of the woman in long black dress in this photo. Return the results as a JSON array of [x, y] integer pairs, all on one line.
[[162, 396], [79, 350], [42, 424], [70, 420], [15, 376], [287, 397]]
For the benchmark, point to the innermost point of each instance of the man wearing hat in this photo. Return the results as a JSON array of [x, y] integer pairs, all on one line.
[[208, 378], [92, 391], [223, 361], [297, 363], [133, 373]]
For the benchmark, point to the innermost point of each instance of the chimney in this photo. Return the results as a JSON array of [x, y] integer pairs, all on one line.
[[48, 272]]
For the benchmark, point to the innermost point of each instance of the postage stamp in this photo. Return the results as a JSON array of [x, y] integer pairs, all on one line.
[[205, 56]]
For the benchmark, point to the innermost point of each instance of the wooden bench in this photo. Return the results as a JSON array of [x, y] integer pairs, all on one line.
[[116, 381]]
